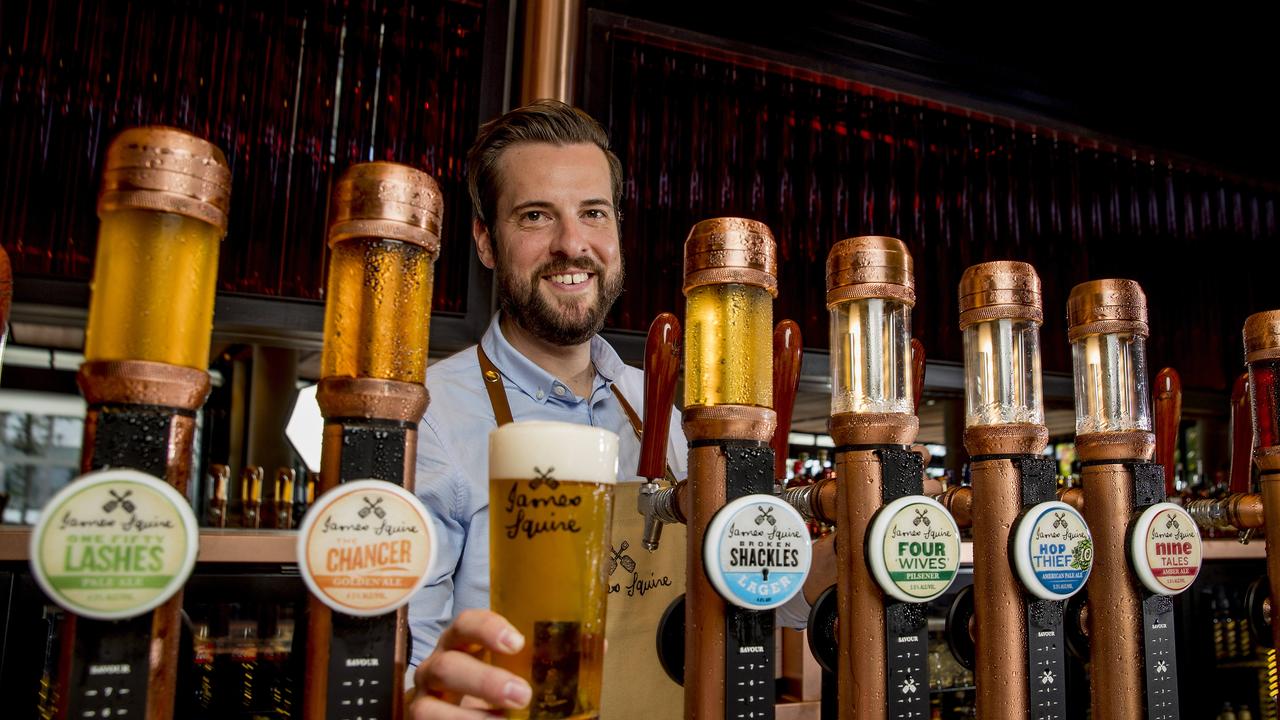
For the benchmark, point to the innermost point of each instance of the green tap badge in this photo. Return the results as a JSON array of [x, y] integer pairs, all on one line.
[[114, 544], [913, 549]]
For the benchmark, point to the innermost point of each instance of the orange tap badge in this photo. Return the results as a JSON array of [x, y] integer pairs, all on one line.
[[365, 547]]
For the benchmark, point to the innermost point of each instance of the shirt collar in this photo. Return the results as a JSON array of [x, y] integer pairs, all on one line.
[[532, 380]]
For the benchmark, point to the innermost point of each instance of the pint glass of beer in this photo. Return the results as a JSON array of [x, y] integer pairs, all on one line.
[[550, 504]]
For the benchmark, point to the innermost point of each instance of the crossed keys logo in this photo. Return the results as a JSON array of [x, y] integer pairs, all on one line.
[[922, 516], [372, 508], [1059, 520], [766, 515], [1172, 523], [119, 501], [551, 482], [617, 557]]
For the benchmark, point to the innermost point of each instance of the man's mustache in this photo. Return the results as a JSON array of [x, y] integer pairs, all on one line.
[[565, 265]]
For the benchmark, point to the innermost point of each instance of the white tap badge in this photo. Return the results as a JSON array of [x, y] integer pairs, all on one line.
[[1052, 550], [1165, 549], [913, 549], [114, 544], [757, 552], [365, 547]]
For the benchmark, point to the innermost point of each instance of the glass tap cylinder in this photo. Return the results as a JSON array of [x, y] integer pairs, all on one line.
[[871, 356], [163, 208], [730, 280], [1108, 333], [384, 233], [1262, 353], [870, 293], [1000, 314]]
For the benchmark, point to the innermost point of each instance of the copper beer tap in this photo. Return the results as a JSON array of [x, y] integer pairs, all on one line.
[[144, 380], [1130, 614], [730, 378], [870, 290], [1242, 510]]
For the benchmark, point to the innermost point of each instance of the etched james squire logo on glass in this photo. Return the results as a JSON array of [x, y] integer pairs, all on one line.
[[550, 504]]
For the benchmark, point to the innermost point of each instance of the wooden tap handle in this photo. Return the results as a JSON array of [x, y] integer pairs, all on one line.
[[661, 365], [917, 372], [1241, 436], [1168, 391], [787, 354], [6, 291]]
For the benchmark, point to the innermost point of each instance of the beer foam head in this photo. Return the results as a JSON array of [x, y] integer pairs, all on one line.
[[565, 451]]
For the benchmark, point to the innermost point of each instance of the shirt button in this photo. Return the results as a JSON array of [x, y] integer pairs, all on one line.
[[541, 394], [560, 390]]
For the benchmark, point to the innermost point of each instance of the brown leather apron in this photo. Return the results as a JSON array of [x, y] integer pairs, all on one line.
[[641, 586]]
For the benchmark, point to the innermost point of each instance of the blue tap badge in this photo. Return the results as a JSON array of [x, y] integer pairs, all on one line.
[[1052, 550], [757, 552]]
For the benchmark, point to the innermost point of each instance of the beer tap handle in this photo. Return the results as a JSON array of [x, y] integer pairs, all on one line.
[[661, 365], [1168, 416], [787, 356], [1241, 436], [1168, 408], [6, 291], [917, 372]]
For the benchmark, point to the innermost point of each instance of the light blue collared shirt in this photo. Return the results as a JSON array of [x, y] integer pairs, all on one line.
[[453, 464], [453, 460]]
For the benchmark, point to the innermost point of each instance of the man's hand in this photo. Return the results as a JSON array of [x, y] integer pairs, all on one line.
[[453, 682]]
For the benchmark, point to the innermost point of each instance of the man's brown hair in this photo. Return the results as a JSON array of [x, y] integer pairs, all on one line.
[[546, 121]]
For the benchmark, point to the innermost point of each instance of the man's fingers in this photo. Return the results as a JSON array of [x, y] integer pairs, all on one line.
[[454, 671], [459, 674], [476, 630], [429, 708]]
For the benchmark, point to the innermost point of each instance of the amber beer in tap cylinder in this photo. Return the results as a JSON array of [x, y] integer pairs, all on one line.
[[730, 321], [551, 495]]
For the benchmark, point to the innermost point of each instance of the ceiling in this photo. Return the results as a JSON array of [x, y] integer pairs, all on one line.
[[1192, 79]]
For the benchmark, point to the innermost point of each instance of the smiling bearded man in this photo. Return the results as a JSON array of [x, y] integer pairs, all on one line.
[[544, 189]]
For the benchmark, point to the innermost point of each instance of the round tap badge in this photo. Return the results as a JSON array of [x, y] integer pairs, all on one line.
[[1165, 549], [114, 544], [913, 548], [757, 552], [1052, 550], [365, 547]]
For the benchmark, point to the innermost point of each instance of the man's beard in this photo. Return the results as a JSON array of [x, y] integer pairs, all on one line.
[[521, 301]]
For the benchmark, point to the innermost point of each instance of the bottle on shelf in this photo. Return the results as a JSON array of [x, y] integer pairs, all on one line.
[[219, 480], [251, 497], [282, 499], [204, 653], [1219, 627]]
